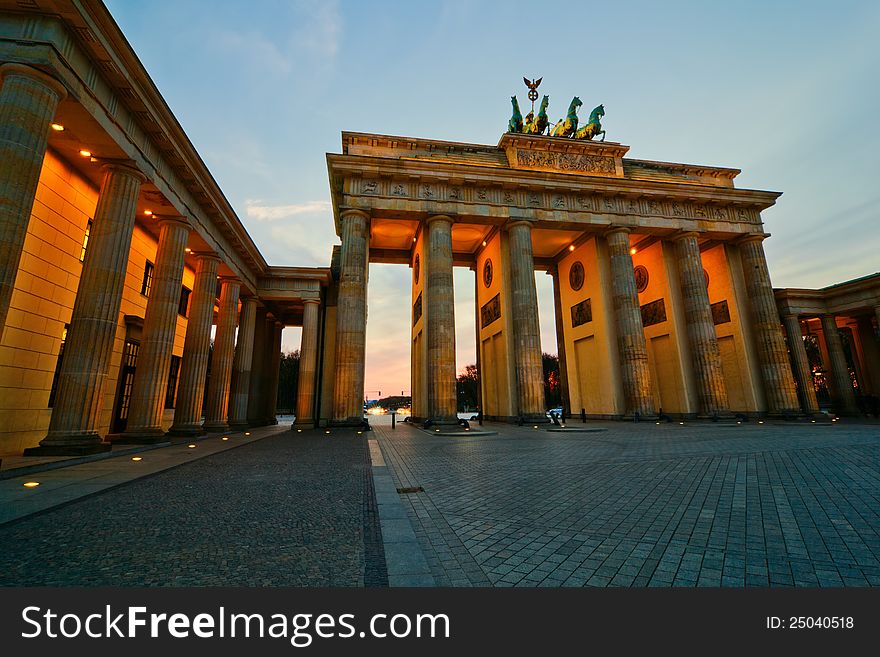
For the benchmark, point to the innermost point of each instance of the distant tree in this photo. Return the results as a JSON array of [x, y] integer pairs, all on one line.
[[466, 388], [288, 377], [552, 389], [394, 402]]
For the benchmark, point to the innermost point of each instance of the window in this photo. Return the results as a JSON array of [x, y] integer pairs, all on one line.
[[82, 254], [147, 283], [171, 391], [184, 301], [54, 388]]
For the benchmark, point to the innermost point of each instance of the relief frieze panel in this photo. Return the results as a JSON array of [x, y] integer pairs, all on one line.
[[566, 162]]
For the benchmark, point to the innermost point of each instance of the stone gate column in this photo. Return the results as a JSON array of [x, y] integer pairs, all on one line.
[[700, 328], [840, 379], [76, 416], [778, 379], [217, 407], [258, 368], [28, 99], [351, 320], [273, 374], [630, 333], [526, 327], [560, 339], [308, 359], [241, 365], [160, 325], [439, 312], [191, 387], [801, 364]]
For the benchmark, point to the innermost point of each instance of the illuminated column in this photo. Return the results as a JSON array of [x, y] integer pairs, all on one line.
[[256, 394], [801, 364], [778, 379], [160, 324], [351, 319], [439, 311], [308, 359], [526, 327], [191, 388], [700, 328], [840, 379], [560, 339], [28, 99], [73, 427], [241, 365], [630, 332], [217, 407], [273, 372]]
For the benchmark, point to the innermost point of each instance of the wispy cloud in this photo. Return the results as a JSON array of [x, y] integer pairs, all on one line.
[[321, 29], [255, 210]]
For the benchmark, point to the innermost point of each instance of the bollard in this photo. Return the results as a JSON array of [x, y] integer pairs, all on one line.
[[584, 415], [393, 420]]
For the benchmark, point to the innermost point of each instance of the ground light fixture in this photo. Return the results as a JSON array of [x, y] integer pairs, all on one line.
[[299, 430], [327, 432], [137, 458], [31, 484], [247, 433], [225, 438], [192, 445]]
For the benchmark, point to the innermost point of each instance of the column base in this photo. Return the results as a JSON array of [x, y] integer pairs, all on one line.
[[186, 431], [146, 437], [216, 427], [533, 418], [239, 426], [67, 450], [347, 422]]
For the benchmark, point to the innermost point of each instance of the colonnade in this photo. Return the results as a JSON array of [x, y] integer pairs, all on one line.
[[28, 101]]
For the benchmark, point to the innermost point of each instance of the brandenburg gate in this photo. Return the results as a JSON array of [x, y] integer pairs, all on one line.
[[662, 294]]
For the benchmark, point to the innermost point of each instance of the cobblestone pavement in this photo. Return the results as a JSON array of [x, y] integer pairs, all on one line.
[[646, 505], [289, 510]]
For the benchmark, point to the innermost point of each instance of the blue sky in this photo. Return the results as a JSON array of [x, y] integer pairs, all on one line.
[[786, 91]]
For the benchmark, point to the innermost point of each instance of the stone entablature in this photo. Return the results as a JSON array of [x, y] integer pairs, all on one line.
[[861, 294], [562, 155]]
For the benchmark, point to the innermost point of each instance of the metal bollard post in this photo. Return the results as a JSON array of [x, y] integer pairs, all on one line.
[[393, 419], [584, 415]]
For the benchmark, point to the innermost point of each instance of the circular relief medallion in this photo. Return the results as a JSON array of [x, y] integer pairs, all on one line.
[[417, 266], [576, 276], [641, 275], [706, 276], [487, 273]]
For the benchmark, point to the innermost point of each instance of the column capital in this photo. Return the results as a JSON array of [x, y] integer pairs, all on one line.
[[513, 223], [172, 219], [618, 229], [354, 212], [685, 234], [791, 316], [439, 217], [128, 169], [309, 300], [206, 255], [752, 237], [25, 71]]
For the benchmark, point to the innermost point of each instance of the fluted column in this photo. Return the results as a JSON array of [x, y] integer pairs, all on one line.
[[308, 359], [28, 99], [160, 325], [76, 416], [631, 344], [778, 379], [703, 342], [273, 373], [351, 320], [439, 311], [560, 339], [241, 365], [526, 327], [217, 407], [842, 389], [191, 386], [256, 401], [801, 364]]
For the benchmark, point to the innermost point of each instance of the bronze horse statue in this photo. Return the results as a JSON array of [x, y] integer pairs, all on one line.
[[516, 121], [567, 127], [594, 126], [537, 125]]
